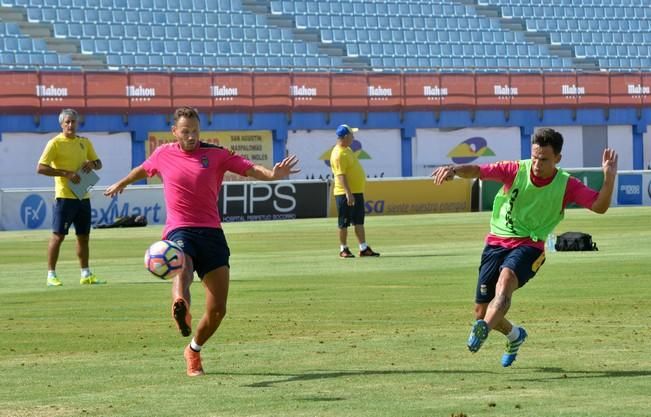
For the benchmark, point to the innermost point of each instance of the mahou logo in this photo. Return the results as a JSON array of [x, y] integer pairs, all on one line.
[[637, 90], [572, 90], [379, 93], [140, 93], [505, 91], [434, 92], [51, 93], [302, 92], [223, 93]]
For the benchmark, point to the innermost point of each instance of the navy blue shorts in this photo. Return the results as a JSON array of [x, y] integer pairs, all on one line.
[[350, 214], [523, 260], [206, 246], [71, 211]]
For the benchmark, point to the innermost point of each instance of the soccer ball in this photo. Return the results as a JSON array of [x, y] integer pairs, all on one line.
[[164, 257]]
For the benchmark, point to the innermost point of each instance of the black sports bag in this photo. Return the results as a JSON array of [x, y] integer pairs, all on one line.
[[575, 241]]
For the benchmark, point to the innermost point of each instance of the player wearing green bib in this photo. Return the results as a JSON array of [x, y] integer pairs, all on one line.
[[527, 208]]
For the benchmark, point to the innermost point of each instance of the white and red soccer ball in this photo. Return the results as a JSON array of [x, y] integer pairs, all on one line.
[[164, 258]]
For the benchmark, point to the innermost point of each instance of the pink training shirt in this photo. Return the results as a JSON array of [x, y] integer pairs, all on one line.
[[505, 172], [191, 182]]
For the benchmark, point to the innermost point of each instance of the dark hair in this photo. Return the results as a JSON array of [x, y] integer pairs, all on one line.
[[548, 137], [187, 112]]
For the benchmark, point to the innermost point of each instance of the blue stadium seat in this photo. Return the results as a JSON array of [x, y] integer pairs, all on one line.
[[50, 59], [7, 58], [22, 59], [129, 46], [420, 30]]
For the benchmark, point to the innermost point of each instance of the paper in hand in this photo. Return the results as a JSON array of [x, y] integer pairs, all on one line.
[[86, 180]]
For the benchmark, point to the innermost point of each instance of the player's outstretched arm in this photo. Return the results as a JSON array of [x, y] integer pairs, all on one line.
[[138, 173], [281, 170], [448, 172], [609, 166]]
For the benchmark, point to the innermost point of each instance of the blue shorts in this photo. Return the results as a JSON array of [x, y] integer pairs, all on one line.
[[523, 260], [350, 214], [206, 246], [69, 211]]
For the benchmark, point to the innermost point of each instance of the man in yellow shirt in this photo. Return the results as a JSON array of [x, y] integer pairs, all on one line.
[[63, 156], [350, 181]]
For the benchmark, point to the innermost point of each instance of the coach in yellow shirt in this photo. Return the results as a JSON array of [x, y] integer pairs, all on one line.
[[350, 180], [63, 156]]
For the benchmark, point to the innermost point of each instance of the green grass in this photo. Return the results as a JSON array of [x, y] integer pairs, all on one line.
[[308, 334]]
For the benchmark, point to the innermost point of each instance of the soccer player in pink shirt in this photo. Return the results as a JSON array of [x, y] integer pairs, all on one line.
[[527, 208], [192, 174]]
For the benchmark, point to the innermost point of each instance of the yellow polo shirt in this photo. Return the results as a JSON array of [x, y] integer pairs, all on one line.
[[344, 162], [68, 154]]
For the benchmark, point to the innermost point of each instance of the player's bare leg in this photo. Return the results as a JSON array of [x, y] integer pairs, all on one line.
[[507, 283], [216, 283], [53, 248], [492, 316], [83, 251], [360, 232], [479, 330], [344, 252]]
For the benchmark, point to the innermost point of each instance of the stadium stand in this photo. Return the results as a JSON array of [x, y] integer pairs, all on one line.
[[325, 35]]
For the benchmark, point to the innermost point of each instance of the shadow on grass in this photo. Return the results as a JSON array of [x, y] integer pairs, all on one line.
[[310, 376], [560, 373]]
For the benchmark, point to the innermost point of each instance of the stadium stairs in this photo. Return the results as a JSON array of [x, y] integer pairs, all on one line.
[[538, 37]]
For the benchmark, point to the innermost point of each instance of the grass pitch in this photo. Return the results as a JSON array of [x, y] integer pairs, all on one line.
[[308, 334]]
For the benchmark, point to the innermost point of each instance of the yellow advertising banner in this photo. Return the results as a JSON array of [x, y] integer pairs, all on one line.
[[255, 145], [413, 196]]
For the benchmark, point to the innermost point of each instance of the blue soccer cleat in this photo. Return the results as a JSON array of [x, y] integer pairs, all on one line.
[[478, 335], [512, 348]]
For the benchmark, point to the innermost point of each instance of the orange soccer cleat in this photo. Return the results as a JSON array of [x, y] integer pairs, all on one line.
[[193, 362]]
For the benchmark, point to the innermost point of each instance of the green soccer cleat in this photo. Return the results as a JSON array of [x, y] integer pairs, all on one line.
[[91, 280], [54, 282], [478, 335], [512, 348]]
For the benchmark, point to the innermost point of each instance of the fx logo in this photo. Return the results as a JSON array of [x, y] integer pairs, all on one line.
[[33, 211]]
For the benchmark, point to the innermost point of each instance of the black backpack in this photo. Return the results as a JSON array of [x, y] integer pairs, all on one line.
[[575, 241], [126, 221]]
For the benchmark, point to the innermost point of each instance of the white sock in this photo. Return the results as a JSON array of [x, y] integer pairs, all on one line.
[[363, 246], [51, 274], [85, 272], [342, 247], [514, 334], [194, 346]]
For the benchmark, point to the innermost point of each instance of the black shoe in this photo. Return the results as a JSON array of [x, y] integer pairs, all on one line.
[[368, 252], [346, 253]]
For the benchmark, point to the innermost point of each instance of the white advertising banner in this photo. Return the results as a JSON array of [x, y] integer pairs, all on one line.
[[646, 141], [20, 152], [435, 147], [32, 208], [620, 138], [379, 152]]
